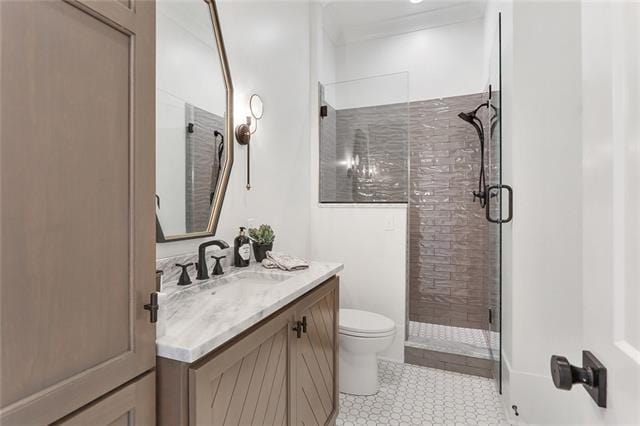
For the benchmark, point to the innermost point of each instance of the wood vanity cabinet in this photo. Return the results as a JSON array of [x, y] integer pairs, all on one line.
[[282, 371]]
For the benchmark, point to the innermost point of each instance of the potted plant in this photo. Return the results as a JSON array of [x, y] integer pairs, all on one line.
[[262, 238]]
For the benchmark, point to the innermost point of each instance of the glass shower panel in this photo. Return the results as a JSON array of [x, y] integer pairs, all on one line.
[[364, 137], [493, 254]]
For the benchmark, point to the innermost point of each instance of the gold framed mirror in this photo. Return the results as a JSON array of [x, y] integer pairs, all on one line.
[[194, 119]]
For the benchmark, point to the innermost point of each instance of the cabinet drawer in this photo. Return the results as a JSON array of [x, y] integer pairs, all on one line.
[[133, 404], [249, 382]]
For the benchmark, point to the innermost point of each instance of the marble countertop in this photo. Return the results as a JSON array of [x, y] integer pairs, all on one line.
[[198, 318]]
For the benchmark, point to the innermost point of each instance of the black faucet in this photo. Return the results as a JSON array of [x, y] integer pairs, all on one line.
[[203, 272]]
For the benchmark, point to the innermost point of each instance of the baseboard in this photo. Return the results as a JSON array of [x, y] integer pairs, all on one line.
[[537, 400]]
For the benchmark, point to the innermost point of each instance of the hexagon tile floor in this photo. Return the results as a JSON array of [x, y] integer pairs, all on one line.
[[413, 395]]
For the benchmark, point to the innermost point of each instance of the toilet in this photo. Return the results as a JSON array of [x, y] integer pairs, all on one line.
[[362, 335]]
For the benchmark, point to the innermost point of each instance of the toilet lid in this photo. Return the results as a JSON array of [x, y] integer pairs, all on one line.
[[363, 322]]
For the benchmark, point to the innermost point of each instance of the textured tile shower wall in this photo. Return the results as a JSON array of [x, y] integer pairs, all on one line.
[[447, 230], [452, 248], [328, 159], [377, 137], [492, 234], [202, 166]]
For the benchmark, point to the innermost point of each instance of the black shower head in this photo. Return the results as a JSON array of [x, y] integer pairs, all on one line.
[[468, 116]]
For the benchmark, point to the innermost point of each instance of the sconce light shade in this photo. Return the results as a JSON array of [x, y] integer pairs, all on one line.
[[256, 106], [244, 131]]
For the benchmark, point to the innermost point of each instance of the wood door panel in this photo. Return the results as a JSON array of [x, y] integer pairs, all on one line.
[[77, 184], [134, 404], [247, 384], [316, 363]]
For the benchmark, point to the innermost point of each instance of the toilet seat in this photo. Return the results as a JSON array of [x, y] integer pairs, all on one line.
[[357, 323]]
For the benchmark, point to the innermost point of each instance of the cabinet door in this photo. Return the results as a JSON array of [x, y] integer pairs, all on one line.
[[316, 357], [133, 405], [77, 195], [247, 383]]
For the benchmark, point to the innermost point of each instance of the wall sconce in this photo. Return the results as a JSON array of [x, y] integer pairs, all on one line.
[[244, 132]]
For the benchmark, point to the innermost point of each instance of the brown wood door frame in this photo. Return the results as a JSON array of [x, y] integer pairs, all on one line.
[[70, 393]]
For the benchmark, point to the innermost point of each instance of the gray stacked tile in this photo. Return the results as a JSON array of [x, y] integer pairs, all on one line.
[[492, 233], [328, 162], [376, 140], [202, 165], [452, 248], [447, 229]]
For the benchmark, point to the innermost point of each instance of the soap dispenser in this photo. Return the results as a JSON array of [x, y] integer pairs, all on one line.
[[241, 249]]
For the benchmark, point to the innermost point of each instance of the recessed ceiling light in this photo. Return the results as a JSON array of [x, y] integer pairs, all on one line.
[[415, 1]]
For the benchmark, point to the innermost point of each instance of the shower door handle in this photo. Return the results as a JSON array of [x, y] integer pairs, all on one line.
[[487, 206]]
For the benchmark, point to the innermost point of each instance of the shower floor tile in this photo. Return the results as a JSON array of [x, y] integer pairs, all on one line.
[[457, 340], [413, 395]]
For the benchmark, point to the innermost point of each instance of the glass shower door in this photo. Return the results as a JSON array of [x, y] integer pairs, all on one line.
[[497, 209]]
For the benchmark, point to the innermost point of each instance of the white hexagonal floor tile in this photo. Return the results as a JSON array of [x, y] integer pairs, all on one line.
[[413, 395]]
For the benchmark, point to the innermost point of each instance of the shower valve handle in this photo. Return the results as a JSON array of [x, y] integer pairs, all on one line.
[[479, 195]]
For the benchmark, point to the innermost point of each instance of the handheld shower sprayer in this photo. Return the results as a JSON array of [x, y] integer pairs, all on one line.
[[472, 118]]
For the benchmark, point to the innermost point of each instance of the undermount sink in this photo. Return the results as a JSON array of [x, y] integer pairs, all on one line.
[[245, 284], [236, 288]]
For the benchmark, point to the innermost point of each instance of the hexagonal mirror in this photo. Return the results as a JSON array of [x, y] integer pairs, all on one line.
[[194, 132]]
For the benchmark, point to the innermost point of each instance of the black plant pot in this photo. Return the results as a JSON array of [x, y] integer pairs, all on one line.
[[260, 251]]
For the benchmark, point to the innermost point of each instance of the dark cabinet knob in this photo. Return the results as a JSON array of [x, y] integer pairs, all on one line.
[[298, 329], [592, 375]]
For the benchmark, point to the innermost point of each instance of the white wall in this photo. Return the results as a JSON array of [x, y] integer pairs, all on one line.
[[542, 246], [268, 48], [443, 61]]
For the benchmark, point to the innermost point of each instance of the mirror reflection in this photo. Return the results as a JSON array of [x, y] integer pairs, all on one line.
[[190, 116]]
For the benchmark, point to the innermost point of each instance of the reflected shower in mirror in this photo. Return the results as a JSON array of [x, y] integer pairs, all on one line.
[[191, 112]]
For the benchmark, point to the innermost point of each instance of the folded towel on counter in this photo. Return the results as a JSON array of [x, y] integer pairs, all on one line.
[[283, 261]]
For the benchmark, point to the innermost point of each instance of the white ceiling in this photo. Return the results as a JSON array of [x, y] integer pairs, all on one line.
[[348, 21]]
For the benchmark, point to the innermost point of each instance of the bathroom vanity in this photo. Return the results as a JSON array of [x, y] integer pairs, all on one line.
[[251, 347]]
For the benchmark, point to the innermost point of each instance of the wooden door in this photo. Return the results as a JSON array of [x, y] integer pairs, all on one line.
[[132, 405], [77, 190], [247, 383], [316, 352]]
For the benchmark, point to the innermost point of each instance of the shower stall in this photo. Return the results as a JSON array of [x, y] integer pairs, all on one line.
[[441, 158]]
